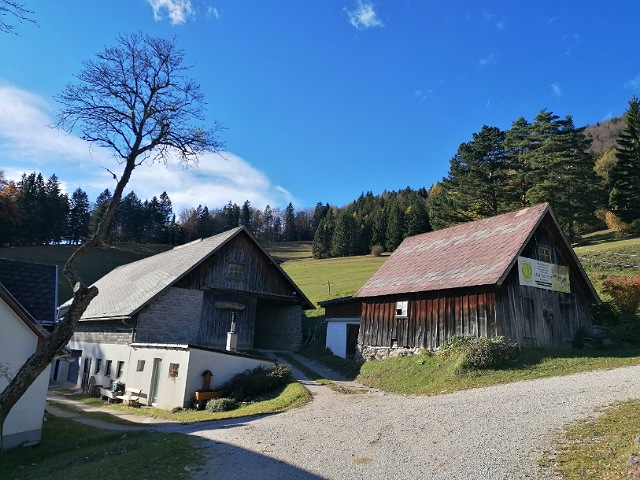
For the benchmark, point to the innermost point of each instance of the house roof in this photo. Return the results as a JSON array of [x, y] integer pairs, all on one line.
[[22, 313], [33, 285], [128, 288], [470, 254]]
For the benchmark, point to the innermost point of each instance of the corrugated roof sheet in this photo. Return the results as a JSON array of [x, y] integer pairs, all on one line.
[[474, 253]]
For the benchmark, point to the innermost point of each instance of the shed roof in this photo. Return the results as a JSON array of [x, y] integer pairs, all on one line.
[[475, 253], [23, 314], [128, 288], [33, 285]]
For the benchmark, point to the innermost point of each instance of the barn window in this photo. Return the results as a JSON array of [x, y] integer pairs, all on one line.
[[140, 366], [544, 254], [236, 271], [402, 308], [107, 368], [98, 363]]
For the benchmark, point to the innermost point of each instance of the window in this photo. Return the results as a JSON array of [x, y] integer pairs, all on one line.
[[140, 366], [174, 369], [98, 363], [107, 368], [236, 271], [119, 369], [402, 308], [544, 254]]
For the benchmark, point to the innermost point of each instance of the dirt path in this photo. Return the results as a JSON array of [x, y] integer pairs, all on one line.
[[489, 433]]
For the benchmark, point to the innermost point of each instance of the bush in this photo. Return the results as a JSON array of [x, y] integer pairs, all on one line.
[[252, 383], [377, 250], [488, 353], [221, 405], [624, 292], [604, 313], [627, 332]]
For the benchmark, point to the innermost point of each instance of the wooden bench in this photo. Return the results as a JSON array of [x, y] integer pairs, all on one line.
[[108, 393], [131, 396]]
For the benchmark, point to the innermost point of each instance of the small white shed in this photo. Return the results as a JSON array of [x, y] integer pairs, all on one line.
[[343, 325]]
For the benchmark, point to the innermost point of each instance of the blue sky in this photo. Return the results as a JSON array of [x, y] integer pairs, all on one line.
[[323, 100]]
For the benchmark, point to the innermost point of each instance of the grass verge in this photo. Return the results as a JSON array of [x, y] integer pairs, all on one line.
[[431, 374], [291, 396], [74, 451], [600, 446]]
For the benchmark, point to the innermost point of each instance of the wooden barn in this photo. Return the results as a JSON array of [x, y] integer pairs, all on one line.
[[512, 275], [178, 307]]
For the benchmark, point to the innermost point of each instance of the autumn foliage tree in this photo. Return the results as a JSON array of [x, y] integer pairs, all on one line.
[[137, 100]]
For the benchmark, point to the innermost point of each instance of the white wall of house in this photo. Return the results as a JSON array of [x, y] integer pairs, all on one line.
[[17, 344], [337, 335], [222, 365]]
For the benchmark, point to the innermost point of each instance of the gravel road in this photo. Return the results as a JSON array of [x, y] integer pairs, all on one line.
[[498, 432]]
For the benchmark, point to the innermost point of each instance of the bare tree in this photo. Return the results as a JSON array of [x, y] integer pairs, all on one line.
[[137, 100], [17, 12]]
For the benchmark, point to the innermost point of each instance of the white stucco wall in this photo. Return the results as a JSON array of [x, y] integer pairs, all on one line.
[[17, 344], [223, 366], [337, 335]]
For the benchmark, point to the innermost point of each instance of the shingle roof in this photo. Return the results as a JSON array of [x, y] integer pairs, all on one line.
[[22, 313], [128, 288], [33, 285], [474, 253]]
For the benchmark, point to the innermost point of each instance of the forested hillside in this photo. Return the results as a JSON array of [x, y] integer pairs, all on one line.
[[590, 176]]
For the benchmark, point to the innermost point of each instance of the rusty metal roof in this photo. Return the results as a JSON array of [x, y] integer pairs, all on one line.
[[474, 253]]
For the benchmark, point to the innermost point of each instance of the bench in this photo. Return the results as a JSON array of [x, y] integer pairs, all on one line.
[[131, 396], [108, 393]]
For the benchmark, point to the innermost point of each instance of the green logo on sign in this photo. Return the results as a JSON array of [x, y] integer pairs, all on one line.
[[527, 271]]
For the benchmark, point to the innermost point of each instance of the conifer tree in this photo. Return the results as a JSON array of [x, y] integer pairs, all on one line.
[[624, 198]]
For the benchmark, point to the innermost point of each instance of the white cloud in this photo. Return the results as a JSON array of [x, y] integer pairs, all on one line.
[[364, 16], [486, 61], [556, 89], [28, 144], [633, 84], [213, 13], [178, 11]]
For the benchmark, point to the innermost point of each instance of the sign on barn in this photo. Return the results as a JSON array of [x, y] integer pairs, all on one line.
[[548, 276]]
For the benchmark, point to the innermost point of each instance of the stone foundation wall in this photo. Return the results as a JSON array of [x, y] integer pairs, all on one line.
[[367, 352]]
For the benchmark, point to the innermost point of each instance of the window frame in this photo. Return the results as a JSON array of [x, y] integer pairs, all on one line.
[[402, 308]]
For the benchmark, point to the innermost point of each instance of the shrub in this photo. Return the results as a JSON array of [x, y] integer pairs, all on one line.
[[257, 381], [627, 332], [377, 250], [221, 405], [604, 313], [488, 353], [624, 292]]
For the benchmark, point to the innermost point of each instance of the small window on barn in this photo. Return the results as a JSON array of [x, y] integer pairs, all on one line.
[[140, 366], [98, 363], [544, 254], [236, 271], [119, 369], [107, 368], [402, 308], [174, 369]]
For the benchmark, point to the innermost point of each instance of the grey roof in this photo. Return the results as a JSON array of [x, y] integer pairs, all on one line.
[[33, 285], [128, 288], [22, 313]]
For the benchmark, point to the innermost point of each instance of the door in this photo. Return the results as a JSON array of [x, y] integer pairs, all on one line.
[[155, 381], [86, 372], [74, 366]]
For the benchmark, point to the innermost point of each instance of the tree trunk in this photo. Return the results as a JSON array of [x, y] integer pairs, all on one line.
[[63, 331]]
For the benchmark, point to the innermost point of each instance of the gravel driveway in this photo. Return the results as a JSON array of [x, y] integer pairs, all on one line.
[[497, 432]]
